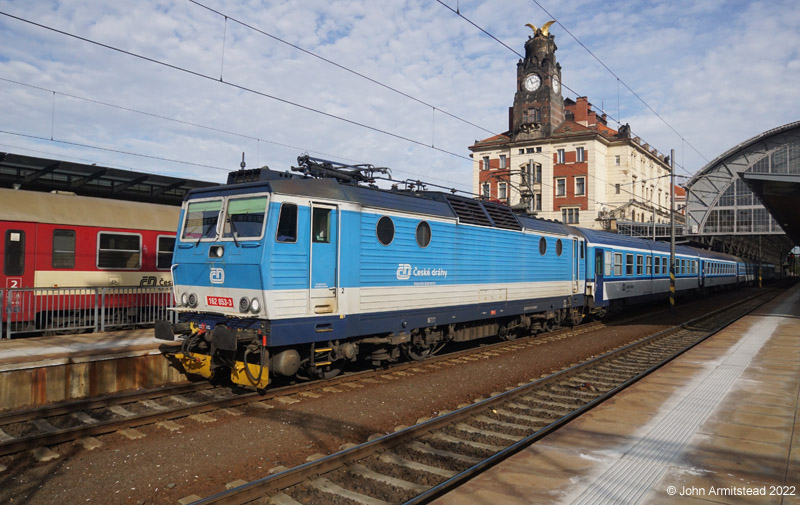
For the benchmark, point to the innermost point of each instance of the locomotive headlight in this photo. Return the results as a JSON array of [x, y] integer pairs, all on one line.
[[216, 251], [255, 306], [184, 299], [192, 300], [244, 304]]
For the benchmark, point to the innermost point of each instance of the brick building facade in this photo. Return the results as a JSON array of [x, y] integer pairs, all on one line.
[[560, 160]]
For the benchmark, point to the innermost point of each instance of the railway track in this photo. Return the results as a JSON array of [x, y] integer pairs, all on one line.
[[64, 422], [422, 462]]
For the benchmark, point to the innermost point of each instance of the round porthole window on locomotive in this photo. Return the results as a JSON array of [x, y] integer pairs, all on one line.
[[542, 246], [385, 230], [559, 247], [423, 234]]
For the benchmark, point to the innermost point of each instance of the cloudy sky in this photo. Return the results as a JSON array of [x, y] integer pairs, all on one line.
[[172, 87]]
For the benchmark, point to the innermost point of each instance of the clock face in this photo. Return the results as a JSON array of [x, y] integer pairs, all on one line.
[[556, 84], [531, 82]]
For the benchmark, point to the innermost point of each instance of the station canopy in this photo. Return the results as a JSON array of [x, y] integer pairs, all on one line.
[[41, 174], [741, 202]]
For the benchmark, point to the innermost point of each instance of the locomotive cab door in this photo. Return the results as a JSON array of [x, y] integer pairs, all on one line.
[[324, 258]]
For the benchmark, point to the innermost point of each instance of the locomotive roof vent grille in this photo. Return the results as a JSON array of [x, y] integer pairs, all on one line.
[[468, 211], [502, 216]]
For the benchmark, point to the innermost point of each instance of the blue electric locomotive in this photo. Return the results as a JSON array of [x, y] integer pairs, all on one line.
[[296, 275]]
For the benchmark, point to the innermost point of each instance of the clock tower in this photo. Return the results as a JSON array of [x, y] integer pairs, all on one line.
[[538, 105]]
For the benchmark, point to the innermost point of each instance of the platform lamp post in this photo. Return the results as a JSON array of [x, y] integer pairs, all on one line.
[[672, 229]]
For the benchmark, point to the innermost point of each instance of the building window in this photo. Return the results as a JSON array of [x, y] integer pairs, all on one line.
[[537, 205], [570, 215], [486, 190], [539, 149], [529, 150], [501, 189], [580, 186], [616, 160], [485, 163], [503, 161], [580, 154], [560, 156], [521, 151], [616, 188], [561, 187]]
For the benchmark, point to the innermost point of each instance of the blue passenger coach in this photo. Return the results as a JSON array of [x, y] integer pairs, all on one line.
[[304, 274]]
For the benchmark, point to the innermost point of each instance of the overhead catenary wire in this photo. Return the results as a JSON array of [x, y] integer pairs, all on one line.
[[236, 86]]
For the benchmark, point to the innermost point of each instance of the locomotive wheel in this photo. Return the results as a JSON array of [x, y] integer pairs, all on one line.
[[421, 352]]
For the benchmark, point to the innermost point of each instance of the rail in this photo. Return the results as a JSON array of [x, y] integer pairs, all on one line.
[[82, 309]]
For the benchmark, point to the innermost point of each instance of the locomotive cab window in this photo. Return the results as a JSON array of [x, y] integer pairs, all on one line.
[[201, 220], [164, 247], [14, 262], [287, 223], [321, 225], [63, 249], [119, 251], [423, 234], [244, 217], [385, 230]]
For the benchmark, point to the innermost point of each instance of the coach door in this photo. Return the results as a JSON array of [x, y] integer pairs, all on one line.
[[598, 275], [324, 258], [576, 265], [17, 253]]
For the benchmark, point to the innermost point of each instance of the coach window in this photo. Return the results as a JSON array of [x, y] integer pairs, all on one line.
[[609, 263], [542, 246], [657, 265], [14, 263], [287, 223], [629, 264], [559, 247], [423, 234], [122, 251], [244, 217], [63, 249], [385, 230], [639, 264], [164, 247], [617, 264], [648, 268]]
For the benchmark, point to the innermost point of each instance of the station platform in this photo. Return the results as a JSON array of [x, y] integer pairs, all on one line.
[[720, 424], [39, 370]]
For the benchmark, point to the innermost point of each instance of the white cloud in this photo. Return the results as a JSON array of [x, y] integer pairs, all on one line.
[[718, 72]]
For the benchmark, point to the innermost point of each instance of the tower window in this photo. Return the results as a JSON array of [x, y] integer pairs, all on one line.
[[485, 163], [561, 156], [531, 115], [616, 160], [580, 154], [503, 161]]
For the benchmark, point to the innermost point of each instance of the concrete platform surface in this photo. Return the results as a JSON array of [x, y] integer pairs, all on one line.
[[720, 424], [39, 370]]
